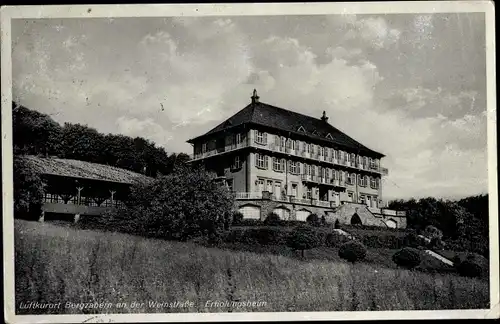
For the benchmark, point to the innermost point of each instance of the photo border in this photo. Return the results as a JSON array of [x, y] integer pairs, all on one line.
[[242, 9]]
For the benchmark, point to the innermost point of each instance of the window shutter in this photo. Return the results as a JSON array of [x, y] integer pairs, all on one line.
[[266, 160], [298, 168], [359, 180], [256, 159], [265, 138], [277, 140]]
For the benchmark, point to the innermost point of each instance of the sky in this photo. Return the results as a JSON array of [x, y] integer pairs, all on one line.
[[411, 86]]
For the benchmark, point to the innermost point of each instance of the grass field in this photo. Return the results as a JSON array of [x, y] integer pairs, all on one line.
[[60, 264]]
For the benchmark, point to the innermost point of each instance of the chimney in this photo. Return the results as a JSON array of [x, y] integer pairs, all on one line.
[[255, 97], [324, 118]]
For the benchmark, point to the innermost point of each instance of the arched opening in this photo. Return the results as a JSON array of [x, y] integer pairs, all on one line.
[[391, 223], [282, 212], [302, 214], [250, 212], [356, 220]]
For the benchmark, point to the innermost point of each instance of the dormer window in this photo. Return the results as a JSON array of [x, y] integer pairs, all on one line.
[[329, 136], [301, 129], [314, 132]]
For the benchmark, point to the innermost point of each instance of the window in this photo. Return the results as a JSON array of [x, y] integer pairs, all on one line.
[[313, 148], [278, 164], [203, 147], [261, 161], [351, 196], [294, 167], [237, 162], [373, 182], [294, 189], [353, 157], [277, 140], [238, 138], [309, 193], [260, 137], [308, 148], [341, 175], [362, 199], [283, 141], [352, 178]]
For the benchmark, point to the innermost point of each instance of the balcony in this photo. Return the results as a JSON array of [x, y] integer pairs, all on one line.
[[220, 150], [248, 195]]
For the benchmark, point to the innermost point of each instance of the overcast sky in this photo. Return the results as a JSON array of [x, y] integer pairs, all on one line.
[[410, 86]]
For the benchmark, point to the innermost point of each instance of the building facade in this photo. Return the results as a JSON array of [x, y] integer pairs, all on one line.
[[295, 163]]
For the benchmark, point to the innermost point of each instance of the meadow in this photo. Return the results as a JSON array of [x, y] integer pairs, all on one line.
[[60, 264]]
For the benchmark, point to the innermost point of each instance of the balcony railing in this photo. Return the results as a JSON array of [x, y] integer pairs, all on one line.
[[248, 195], [288, 150]]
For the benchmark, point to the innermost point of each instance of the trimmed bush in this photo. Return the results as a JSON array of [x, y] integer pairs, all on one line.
[[474, 265], [268, 236], [272, 219], [335, 240], [352, 251], [237, 218], [469, 268], [407, 258], [303, 238], [251, 222], [313, 220]]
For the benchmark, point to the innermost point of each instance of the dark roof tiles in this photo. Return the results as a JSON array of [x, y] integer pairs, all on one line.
[[271, 116]]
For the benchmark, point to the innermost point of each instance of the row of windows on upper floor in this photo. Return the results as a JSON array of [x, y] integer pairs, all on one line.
[[298, 146], [297, 168]]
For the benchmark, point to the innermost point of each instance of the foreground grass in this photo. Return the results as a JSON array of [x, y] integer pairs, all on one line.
[[56, 264]]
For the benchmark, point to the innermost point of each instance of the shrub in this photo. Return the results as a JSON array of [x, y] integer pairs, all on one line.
[[28, 190], [474, 265], [303, 238], [181, 205], [313, 220], [272, 219], [269, 235], [469, 268], [250, 222], [352, 251], [335, 239], [436, 243], [323, 221], [237, 218], [411, 240], [383, 241], [432, 232], [407, 258]]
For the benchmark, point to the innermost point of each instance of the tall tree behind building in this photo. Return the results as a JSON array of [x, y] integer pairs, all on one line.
[[35, 133]]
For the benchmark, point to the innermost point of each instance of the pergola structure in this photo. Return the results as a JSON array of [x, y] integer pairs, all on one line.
[[77, 188]]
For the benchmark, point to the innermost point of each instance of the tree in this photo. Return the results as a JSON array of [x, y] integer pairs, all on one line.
[[34, 133], [272, 219], [303, 238], [181, 205], [407, 258], [352, 251], [313, 220], [28, 190]]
